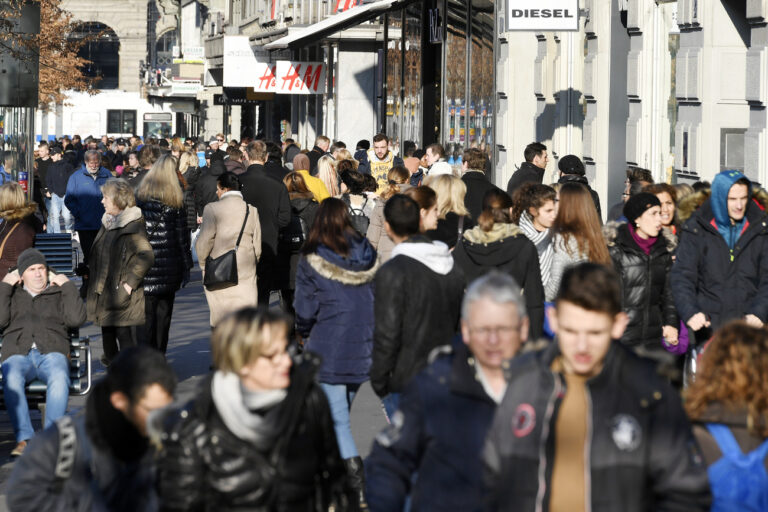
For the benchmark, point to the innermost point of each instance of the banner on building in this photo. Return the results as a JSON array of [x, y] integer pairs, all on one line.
[[542, 15], [299, 77], [266, 81], [343, 5], [240, 62]]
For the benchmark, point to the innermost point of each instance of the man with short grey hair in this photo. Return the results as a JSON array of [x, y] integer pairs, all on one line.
[[83, 199], [447, 409]]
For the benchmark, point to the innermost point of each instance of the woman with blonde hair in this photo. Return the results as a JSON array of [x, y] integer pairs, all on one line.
[[326, 171], [453, 218], [161, 200], [397, 178], [177, 147], [19, 226], [577, 235], [344, 154], [728, 406]]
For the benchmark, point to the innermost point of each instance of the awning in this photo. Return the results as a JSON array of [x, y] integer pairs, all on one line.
[[336, 23]]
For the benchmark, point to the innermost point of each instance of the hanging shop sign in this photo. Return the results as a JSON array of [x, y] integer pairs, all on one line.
[[266, 80], [239, 62], [542, 15], [300, 77]]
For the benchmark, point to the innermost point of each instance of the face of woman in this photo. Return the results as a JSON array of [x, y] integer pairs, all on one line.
[[344, 188], [133, 161], [649, 223], [544, 217], [667, 208], [429, 218], [271, 370], [109, 206]]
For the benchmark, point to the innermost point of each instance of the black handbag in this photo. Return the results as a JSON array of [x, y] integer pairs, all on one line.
[[221, 272]]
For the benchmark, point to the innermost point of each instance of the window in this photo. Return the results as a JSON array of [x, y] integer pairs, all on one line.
[[121, 121], [100, 52], [732, 149]]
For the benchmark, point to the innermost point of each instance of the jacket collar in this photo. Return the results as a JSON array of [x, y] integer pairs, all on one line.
[[344, 276], [464, 379], [102, 173]]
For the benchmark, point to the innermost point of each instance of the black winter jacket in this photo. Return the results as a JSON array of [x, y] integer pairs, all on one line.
[[271, 200], [58, 176], [205, 467], [44, 319], [192, 176], [447, 230], [507, 249], [205, 188], [646, 294], [416, 309], [477, 186], [640, 447], [446, 415], [705, 278], [169, 237], [527, 173]]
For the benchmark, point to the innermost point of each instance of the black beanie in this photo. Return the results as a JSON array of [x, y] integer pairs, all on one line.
[[28, 258], [571, 164], [638, 204]]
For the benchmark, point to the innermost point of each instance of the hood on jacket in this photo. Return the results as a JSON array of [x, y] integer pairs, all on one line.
[[301, 202], [434, 255], [611, 233], [495, 247], [127, 216], [690, 204], [499, 231], [358, 267], [19, 213], [718, 199]]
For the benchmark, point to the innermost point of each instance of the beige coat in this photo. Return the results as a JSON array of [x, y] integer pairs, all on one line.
[[222, 221]]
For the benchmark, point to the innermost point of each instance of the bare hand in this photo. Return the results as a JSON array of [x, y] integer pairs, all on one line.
[[753, 321], [59, 280], [199, 220], [698, 321], [670, 334], [12, 278], [127, 288]]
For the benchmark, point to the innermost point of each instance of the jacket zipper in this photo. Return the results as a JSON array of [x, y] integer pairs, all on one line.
[[543, 445], [588, 455]]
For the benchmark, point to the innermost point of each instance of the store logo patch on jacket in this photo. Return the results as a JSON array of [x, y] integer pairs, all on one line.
[[524, 420], [626, 432]]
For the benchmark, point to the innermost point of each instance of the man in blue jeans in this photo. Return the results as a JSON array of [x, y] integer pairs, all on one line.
[[37, 309]]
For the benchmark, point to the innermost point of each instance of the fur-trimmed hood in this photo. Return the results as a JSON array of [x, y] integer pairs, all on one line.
[[499, 231], [611, 232], [19, 213], [693, 202], [334, 272]]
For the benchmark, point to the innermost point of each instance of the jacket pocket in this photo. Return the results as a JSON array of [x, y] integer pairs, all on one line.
[[118, 298]]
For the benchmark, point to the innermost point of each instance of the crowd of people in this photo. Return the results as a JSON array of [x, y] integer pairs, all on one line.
[[528, 352]]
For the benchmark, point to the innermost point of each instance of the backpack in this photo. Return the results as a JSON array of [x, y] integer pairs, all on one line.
[[739, 481], [292, 237], [360, 220]]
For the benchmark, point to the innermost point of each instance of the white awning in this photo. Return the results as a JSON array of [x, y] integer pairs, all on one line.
[[335, 23]]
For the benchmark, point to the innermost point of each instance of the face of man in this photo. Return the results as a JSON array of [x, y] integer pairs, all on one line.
[[584, 336], [541, 159], [381, 148], [56, 157], [92, 164], [493, 332], [214, 145], [35, 278], [737, 201], [154, 397], [324, 146], [431, 157], [43, 151]]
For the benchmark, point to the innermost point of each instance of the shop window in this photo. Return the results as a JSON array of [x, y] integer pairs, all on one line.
[[732, 149], [121, 121]]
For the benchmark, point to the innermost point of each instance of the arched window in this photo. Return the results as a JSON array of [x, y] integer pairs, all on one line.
[[164, 49], [102, 52]]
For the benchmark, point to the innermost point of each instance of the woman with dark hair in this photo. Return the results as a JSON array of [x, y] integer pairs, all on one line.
[[274, 165], [667, 196], [577, 235], [641, 251], [354, 196], [426, 198], [334, 309], [223, 221], [534, 210], [728, 405], [497, 243], [292, 237]]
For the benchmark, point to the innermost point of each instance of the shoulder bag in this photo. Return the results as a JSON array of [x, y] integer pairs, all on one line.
[[221, 272]]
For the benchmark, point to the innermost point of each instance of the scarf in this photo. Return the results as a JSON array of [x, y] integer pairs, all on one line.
[[644, 244], [543, 242], [249, 415]]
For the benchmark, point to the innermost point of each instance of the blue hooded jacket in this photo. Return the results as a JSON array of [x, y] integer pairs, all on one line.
[[721, 185]]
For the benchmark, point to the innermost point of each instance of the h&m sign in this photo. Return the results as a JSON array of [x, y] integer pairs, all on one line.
[[542, 15]]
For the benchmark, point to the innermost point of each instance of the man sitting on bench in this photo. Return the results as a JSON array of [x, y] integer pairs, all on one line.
[[37, 309]]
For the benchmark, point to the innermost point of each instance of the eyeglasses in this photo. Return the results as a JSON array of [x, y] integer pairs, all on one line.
[[501, 331]]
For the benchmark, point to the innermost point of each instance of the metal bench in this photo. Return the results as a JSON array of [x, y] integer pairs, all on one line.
[[58, 251], [80, 375]]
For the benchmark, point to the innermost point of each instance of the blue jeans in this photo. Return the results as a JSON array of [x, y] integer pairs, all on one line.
[[18, 370], [340, 397], [56, 208], [391, 403]]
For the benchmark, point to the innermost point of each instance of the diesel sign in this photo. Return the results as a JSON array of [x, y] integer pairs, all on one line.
[[542, 15]]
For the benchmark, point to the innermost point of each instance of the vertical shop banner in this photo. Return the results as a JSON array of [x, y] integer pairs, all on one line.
[[542, 15], [239, 62], [300, 77], [275, 8]]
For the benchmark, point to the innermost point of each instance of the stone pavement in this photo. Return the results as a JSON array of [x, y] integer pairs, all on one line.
[[189, 354]]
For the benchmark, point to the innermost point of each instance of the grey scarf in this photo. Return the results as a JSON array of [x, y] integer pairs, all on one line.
[[543, 242]]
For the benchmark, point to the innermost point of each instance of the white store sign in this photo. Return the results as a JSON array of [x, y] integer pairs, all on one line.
[[239, 62], [542, 15], [300, 77]]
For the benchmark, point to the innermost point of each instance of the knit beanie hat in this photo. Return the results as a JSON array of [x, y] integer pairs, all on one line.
[[28, 258], [571, 164], [638, 204]]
